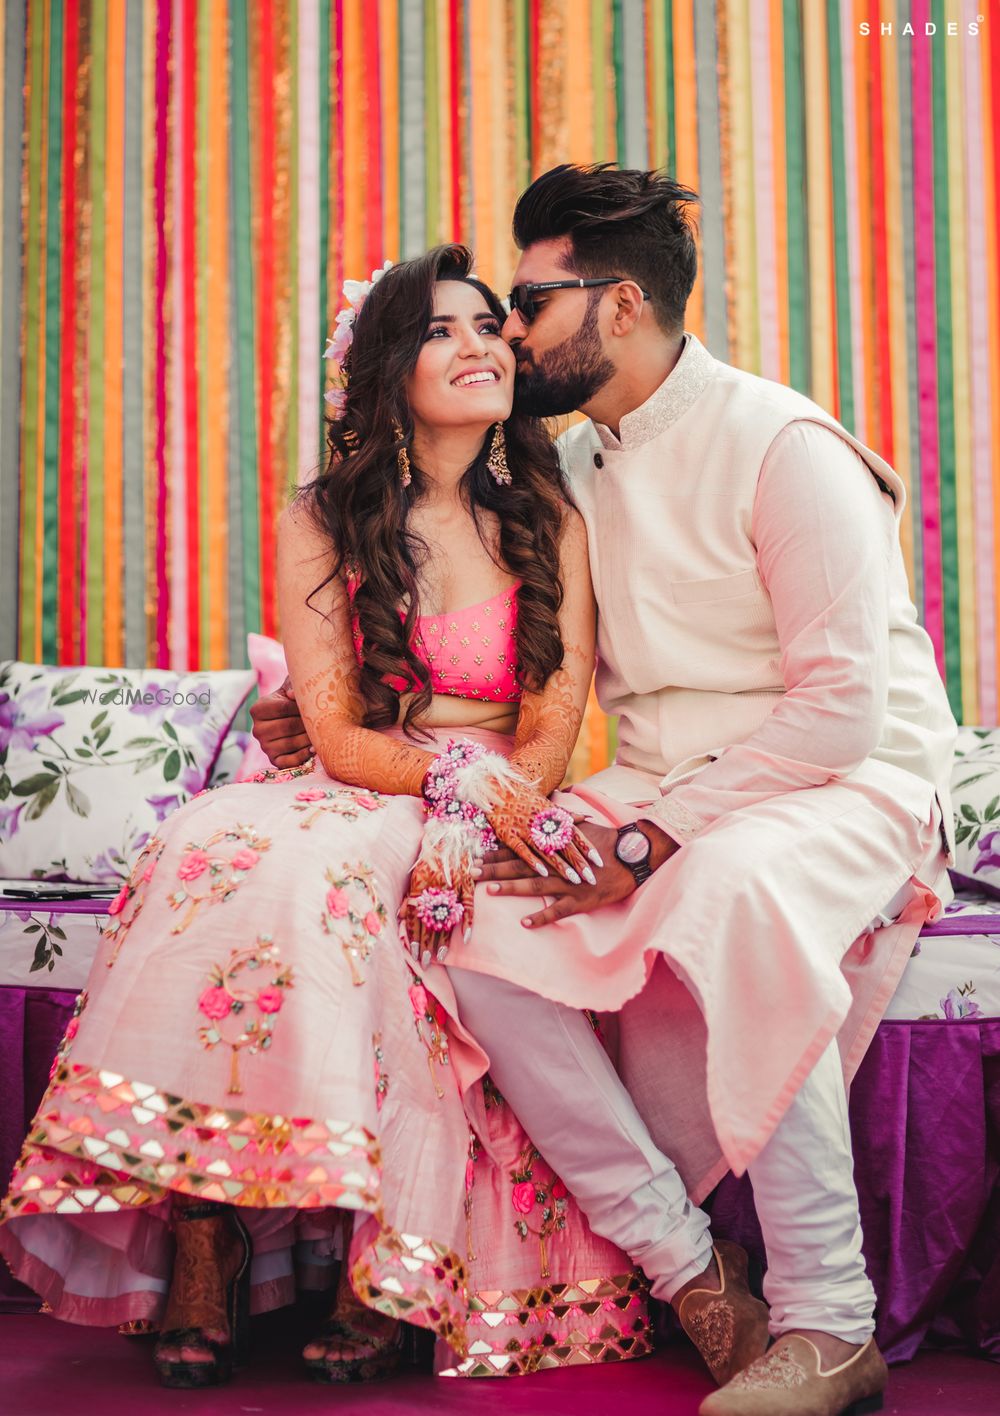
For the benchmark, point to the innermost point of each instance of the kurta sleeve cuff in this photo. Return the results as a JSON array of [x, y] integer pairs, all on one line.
[[676, 819]]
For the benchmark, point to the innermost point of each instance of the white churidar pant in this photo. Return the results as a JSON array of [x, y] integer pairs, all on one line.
[[548, 1063]]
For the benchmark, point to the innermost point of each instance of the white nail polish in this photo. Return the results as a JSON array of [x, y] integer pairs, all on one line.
[[589, 875], [442, 953], [540, 868], [425, 959], [595, 857], [467, 935], [572, 877]]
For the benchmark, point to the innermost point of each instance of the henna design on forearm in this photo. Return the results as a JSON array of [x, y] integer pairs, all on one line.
[[349, 752], [547, 728]]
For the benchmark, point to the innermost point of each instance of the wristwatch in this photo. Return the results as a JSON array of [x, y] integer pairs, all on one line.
[[633, 849]]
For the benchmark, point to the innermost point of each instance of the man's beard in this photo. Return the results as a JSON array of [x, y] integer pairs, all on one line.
[[569, 375]]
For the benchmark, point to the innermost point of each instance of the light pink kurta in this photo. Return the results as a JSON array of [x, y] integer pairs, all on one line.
[[781, 715]]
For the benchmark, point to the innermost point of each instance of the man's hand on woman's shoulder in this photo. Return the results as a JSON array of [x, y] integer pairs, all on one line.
[[278, 727]]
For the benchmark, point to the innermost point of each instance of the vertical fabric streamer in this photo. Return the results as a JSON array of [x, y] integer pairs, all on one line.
[[819, 201], [683, 131], [186, 183], [857, 332], [65, 489], [990, 60], [906, 438], [95, 352], [945, 367], [308, 234], [246, 407], [840, 179], [799, 285], [759, 54], [391, 175], [15, 94], [412, 148], [780, 194], [185, 353], [265, 311], [134, 342], [979, 373], [926, 321], [32, 382], [215, 354], [182, 369], [156, 608], [956, 275], [51, 581]]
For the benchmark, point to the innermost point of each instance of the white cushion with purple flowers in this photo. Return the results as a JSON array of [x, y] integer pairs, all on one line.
[[954, 973], [92, 758], [976, 794]]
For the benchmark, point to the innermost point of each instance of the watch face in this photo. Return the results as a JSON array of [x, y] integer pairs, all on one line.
[[632, 848]]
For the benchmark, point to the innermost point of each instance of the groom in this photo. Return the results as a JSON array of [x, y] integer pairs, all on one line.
[[784, 755]]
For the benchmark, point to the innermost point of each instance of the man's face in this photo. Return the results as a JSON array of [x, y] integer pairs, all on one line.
[[561, 363]]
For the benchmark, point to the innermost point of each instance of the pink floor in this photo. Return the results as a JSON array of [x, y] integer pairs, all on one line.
[[51, 1369]]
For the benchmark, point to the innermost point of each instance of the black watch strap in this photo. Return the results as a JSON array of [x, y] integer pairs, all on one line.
[[641, 870]]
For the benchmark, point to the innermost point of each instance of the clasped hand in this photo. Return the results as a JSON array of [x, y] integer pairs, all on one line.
[[507, 873], [514, 821]]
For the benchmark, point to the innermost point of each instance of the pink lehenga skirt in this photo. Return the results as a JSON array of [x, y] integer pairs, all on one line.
[[252, 1033]]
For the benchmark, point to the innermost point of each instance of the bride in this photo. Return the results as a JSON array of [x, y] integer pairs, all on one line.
[[257, 1072]]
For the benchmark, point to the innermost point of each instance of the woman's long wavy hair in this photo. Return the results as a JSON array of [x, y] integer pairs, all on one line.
[[360, 502]]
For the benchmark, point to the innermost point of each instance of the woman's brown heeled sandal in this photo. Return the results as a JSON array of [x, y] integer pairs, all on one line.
[[201, 1310], [382, 1359]]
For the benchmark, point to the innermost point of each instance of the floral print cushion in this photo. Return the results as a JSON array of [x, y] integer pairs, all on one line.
[[49, 946], [954, 973], [229, 762], [976, 796], [91, 759]]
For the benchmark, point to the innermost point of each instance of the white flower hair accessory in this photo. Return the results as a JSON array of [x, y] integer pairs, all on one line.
[[355, 292]]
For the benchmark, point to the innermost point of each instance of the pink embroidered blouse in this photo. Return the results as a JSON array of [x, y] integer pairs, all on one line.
[[471, 652]]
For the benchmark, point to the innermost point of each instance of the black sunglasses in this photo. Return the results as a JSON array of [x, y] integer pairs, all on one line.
[[522, 297]]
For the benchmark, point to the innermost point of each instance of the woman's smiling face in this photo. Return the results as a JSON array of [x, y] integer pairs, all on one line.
[[464, 375]]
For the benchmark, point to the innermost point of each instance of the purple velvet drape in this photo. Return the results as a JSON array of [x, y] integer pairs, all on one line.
[[32, 1022], [925, 1116]]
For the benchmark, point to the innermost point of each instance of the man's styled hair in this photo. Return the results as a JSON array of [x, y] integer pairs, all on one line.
[[621, 221]]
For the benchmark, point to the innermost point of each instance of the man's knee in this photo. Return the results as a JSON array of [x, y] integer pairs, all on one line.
[[742, 876]]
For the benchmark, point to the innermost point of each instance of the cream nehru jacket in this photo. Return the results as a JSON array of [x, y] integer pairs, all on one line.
[[689, 657]]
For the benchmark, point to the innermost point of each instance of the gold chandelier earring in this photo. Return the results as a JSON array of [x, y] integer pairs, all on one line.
[[497, 460], [402, 456]]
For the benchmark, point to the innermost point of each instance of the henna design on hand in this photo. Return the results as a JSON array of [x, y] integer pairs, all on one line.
[[547, 729], [512, 818], [426, 945]]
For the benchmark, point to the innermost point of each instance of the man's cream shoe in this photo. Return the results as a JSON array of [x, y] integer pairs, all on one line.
[[789, 1381], [728, 1325]]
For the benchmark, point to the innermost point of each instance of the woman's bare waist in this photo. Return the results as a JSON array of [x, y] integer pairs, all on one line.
[[447, 710]]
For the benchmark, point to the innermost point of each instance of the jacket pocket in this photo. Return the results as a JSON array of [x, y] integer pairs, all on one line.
[[727, 587]]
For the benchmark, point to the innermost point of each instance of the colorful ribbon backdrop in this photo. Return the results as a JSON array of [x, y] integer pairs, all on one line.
[[185, 183]]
